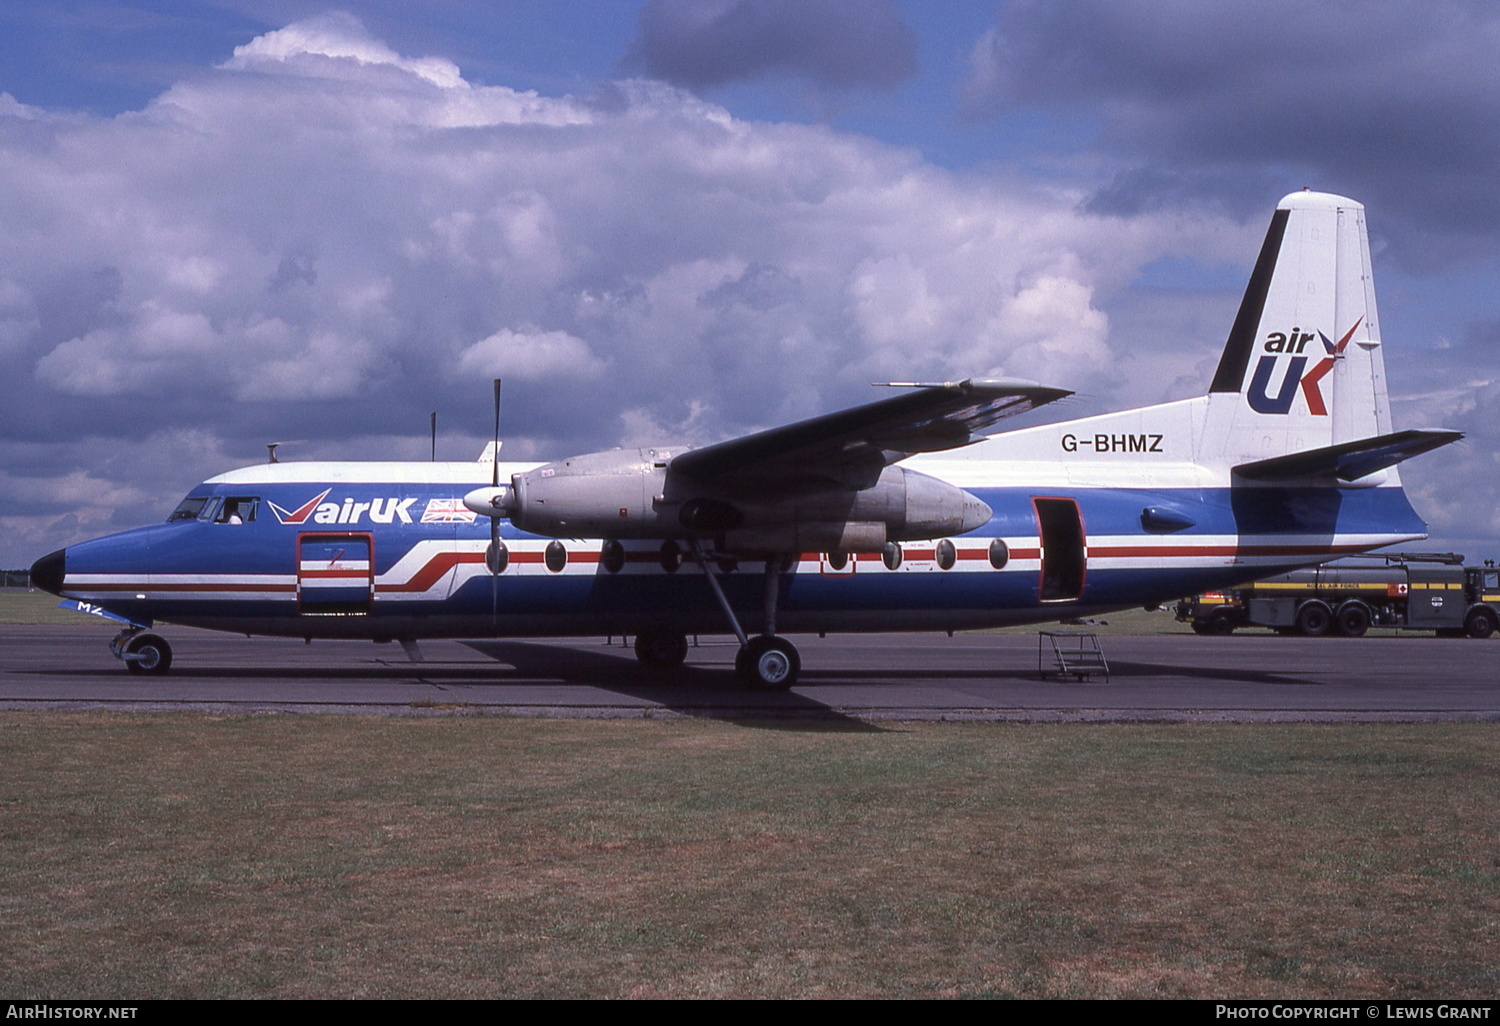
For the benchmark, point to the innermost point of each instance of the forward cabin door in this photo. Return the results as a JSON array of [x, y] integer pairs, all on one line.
[[335, 574], [1064, 554]]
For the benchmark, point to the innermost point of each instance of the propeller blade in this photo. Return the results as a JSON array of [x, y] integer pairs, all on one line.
[[495, 455]]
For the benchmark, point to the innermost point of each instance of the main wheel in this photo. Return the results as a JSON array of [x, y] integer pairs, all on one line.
[[665, 649], [148, 653], [768, 663], [1353, 619], [1480, 623], [1314, 619]]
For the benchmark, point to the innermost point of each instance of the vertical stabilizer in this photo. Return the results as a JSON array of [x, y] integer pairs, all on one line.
[[1302, 368]]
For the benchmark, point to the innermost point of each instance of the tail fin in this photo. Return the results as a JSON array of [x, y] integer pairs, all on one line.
[[1302, 368]]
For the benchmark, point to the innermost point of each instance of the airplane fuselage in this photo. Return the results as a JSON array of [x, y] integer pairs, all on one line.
[[389, 551]]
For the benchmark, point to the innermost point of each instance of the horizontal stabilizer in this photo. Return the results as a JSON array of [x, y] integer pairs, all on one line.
[[1349, 461], [854, 445]]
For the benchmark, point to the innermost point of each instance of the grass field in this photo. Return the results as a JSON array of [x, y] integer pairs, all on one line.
[[172, 856], [17, 605]]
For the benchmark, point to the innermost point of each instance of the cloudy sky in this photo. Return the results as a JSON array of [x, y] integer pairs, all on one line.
[[229, 223]]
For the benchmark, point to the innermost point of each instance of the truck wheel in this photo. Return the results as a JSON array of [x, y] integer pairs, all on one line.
[[1353, 619], [1480, 623], [1314, 619], [1221, 622]]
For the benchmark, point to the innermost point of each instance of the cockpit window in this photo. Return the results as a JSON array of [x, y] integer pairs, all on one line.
[[189, 508], [233, 509], [238, 510]]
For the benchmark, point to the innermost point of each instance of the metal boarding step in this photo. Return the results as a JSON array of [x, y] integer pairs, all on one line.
[[1074, 654]]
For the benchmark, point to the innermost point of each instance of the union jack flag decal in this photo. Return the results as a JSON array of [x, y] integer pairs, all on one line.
[[447, 511]]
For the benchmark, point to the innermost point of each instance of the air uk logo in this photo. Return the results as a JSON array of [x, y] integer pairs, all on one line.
[[381, 511], [301, 513], [1279, 344]]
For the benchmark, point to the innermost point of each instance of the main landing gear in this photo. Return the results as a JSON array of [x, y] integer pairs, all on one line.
[[765, 662], [142, 652]]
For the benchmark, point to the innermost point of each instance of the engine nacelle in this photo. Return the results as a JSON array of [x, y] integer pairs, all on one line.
[[633, 493], [597, 495]]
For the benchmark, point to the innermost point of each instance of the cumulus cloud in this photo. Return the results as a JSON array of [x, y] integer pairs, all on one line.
[[1396, 102], [835, 44], [341, 36], [529, 356]]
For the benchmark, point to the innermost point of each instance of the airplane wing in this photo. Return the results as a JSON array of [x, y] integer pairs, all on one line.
[[852, 446]]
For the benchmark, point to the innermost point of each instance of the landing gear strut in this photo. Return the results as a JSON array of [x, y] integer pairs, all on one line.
[[142, 653], [765, 661]]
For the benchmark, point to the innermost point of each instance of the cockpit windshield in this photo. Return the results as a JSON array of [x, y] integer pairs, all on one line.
[[236, 509], [189, 508]]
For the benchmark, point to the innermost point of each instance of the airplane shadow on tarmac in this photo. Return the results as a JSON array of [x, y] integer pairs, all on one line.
[[687, 690]]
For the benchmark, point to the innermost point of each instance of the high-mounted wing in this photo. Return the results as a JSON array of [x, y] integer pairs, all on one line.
[[852, 446]]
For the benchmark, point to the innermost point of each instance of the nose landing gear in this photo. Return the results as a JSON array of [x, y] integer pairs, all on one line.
[[142, 652]]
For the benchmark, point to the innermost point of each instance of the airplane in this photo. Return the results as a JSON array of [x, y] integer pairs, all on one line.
[[907, 513]]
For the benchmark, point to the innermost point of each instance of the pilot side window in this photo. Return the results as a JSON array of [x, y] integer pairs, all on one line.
[[238, 510]]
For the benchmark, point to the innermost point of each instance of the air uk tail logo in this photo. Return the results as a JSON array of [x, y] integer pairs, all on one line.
[[1292, 343]]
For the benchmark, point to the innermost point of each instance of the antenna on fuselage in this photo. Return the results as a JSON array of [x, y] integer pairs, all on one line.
[[271, 448], [434, 436]]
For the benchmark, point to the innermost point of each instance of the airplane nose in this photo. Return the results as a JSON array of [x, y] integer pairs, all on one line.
[[47, 572]]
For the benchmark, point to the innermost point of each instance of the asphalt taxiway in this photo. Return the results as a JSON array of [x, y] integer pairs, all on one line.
[[859, 677]]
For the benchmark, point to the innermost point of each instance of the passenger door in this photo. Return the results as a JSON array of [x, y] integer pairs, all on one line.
[[1064, 553], [335, 574]]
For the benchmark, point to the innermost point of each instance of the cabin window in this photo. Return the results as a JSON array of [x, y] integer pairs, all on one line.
[[555, 556], [838, 560], [612, 556], [999, 554], [891, 555], [946, 554], [671, 556]]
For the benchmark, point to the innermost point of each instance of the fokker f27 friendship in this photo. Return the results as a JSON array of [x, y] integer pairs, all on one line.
[[896, 515]]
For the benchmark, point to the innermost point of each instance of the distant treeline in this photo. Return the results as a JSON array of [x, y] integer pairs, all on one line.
[[15, 578]]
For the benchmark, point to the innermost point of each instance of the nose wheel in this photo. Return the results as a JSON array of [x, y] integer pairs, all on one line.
[[142, 653]]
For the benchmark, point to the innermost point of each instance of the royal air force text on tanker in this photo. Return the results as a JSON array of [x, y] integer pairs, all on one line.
[[1107, 443]]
